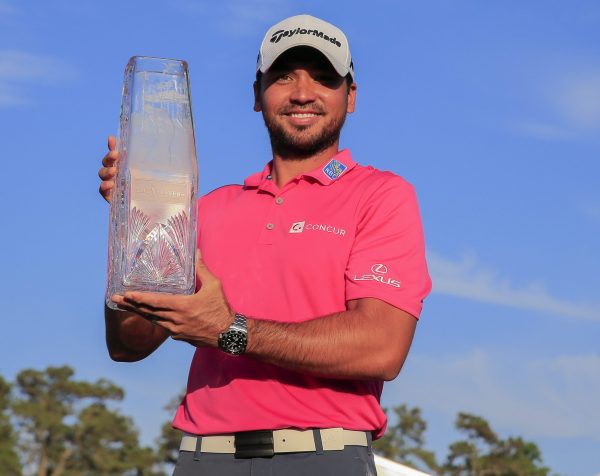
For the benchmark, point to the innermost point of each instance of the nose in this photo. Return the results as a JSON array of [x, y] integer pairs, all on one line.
[[303, 91]]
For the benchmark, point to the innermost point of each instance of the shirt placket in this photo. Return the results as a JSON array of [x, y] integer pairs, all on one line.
[[274, 218]]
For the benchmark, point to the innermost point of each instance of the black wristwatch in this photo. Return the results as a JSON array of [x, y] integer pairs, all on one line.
[[235, 339]]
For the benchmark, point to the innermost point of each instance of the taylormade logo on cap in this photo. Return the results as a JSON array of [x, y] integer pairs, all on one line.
[[278, 35], [306, 30]]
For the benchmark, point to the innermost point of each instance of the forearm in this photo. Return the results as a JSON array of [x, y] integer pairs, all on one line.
[[368, 341], [129, 337]]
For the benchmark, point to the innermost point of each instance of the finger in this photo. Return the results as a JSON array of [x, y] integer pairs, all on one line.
[[124, 306], [153, 315], [112, 142], [166, 325], [106, 186], [154, 303], [105, 190], [110, 158], [107, 173]]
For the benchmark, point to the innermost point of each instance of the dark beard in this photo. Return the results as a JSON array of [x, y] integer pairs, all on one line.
[[296, 147]]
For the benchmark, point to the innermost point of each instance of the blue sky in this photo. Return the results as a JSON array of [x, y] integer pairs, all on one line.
[[491, 109]]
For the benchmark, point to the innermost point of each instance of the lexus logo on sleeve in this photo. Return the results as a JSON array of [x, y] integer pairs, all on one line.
[[379, 268], [378, 271]]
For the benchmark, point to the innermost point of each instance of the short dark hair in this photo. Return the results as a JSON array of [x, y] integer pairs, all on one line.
[[348, 79]]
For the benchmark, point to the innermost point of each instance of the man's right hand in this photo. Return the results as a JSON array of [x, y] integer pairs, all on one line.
[[129, 336], [108, 171]]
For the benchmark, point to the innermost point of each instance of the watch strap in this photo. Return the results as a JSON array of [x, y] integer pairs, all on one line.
[[235, 339], [240, 323]]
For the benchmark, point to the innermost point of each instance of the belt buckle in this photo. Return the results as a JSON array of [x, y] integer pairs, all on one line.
[[254, 444]]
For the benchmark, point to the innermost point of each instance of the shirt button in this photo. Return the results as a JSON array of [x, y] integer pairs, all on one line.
[[270, 226], [269, 177], [279, 200]]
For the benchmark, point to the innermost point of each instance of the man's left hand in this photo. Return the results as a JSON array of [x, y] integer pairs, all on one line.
[[197, 319]]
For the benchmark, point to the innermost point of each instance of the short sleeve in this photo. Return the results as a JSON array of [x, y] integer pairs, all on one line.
[[387, 259]]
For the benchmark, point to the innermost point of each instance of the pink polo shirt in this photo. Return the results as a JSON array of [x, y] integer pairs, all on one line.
[[341, 232]]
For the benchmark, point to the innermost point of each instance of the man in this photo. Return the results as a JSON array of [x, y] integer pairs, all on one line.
[[312, 276]]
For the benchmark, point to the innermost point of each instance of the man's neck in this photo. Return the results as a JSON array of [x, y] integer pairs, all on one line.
[[286, 168]]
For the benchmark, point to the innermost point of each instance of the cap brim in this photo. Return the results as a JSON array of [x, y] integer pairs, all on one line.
[[339, 68]]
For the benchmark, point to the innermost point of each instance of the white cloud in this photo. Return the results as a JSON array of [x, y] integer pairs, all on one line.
[[552, 397], [6, 9], [467, 279], [11, 96], [18, 68], [577, 98], [540, 130], [570, 105], [21, 66]]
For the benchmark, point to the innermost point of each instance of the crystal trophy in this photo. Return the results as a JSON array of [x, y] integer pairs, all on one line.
[[152, 231]]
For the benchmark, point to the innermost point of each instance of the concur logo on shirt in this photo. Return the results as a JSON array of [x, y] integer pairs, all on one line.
[[297, 227], [334, 169], [301, 226]]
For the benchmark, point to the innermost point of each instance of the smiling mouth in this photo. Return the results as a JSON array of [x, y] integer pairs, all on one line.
[[303, 115]]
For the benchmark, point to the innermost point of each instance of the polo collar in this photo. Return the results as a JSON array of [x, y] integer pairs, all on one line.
[[262, 180], [258, 178], [339, 165]]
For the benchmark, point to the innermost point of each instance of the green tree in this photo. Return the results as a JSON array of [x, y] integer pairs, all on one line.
[[483, 453], [107, 443], [169, 440], [9, 459], [68, 430], [405, 440]]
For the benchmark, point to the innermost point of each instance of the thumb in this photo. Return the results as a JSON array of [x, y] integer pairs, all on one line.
[[203, 274], [112, 142]]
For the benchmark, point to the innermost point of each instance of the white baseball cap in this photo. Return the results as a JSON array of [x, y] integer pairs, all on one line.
[[306, 30]]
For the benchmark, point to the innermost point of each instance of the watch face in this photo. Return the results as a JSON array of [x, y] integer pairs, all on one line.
[[233, 342]]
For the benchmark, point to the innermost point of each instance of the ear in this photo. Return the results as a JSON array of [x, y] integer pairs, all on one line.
[[351, 98], [256, 88]]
